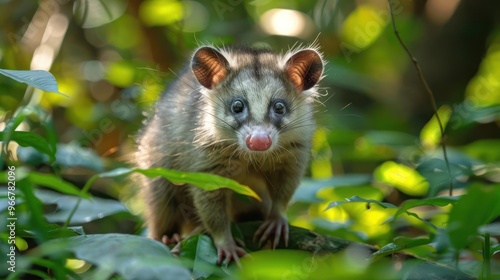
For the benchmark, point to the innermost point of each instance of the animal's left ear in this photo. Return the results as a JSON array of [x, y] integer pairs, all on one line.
[[304, 69]]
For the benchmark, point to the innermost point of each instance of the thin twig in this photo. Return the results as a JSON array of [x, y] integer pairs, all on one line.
[[431, 96]]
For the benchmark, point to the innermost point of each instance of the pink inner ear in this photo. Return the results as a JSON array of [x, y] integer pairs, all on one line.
[[218, 73], [209, 67], [304, 69], [296, 79]]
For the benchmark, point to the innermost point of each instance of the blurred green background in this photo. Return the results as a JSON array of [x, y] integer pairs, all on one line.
[[377, 135]]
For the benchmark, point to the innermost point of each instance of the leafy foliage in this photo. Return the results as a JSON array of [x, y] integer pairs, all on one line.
[[377, 173]]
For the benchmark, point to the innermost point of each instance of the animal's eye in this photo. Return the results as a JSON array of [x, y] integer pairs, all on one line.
[[279, 108], [237, 106]]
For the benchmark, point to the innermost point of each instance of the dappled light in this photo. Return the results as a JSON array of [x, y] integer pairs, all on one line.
[[320, 117], [363, 26], [401, 177], [430, 136], [484, 89], [286, 23], [158, 12]]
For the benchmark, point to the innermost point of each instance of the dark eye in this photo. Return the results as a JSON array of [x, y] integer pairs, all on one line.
[[279, 107], [237, 106]]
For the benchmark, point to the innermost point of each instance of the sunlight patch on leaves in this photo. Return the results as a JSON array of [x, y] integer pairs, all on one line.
[[321, 166], [401, 177], [430, 135]]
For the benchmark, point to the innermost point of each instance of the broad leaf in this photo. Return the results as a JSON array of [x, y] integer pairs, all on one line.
[[432, 201], [308, 189], [133, 257], [10, 127], [478, 207], [53, 231], [36, 78], [30, 139], [400, 243], [201, 250], [208, 182], [401, 177], [56, 183], [87, 210], [356, 199], [67, 155], [71, 155]]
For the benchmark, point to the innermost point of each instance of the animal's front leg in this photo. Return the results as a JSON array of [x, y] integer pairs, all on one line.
[[212, 209], [281, 189]]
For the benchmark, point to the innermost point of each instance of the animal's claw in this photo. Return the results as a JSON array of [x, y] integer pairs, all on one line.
[[276, 226]]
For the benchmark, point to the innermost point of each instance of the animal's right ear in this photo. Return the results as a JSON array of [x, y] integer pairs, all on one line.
[[304, 69], [209, 66]]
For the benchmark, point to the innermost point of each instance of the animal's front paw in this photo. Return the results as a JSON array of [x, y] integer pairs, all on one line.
[[174, 239], [273, 226], [228, 250]]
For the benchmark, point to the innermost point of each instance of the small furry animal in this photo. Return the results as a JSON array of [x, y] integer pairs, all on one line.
[[242, 113]]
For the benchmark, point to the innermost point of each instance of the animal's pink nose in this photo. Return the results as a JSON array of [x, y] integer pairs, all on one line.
[[258, 141]]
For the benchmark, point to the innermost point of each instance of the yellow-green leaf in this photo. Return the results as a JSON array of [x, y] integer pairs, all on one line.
[[430, 136], [402, 177], [208, 182]]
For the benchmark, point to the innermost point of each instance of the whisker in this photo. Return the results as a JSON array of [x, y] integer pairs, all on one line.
[[348, 104]]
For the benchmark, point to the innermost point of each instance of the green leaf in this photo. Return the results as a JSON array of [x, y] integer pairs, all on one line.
[[30, 156], [30, 139], [430, 136], [53, 231], [56, 183], [87, 210], [36, 78], [20, 173], [10, 127], [309, 188], [412, 203], [35, 208], [133, 257], [67, 155], [432, 201], [465, 114], [208, 182], [484, 149], [401, 177], [201, 250], [356, 199], [71, 155], [400, 243], [478, 207], [495, 249], [283, 264]]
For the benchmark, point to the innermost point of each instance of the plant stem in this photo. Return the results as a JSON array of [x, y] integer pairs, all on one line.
[[486, 268], [429, 92]]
